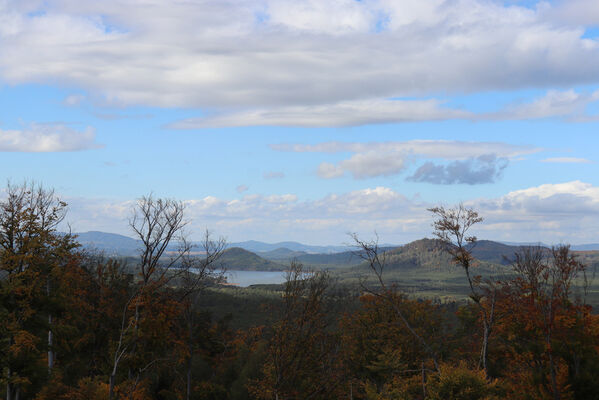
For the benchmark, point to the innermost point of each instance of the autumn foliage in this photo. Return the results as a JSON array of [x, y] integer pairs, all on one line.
[[77, 326]]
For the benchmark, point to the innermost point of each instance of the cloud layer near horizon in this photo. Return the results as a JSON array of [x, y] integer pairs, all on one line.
[[552, 213]]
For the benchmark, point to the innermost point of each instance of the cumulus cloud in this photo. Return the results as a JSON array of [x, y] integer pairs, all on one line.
[[99, 214], [529, 198], [484, 169], [473, 162], [292, 57], [553, 213], [47, 138], [550, 213], [273, 217]]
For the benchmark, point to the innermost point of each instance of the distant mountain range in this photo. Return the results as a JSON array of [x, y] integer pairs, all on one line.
[[585, 247], [275, 256], [575, 247], [113, 243], [236, 258], [253, 245]]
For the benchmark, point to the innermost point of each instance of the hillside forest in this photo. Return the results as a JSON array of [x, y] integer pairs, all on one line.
[[77, 324]]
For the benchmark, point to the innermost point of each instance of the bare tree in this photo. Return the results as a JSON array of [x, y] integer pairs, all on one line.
[[302, 354], [158, 224], [543, 287], [376, 259], [452, 227], [197, 273]]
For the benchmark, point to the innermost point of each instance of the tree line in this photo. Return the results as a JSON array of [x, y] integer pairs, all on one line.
[[77, 325]]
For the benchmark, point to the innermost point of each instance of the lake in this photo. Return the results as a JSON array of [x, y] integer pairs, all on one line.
[[248, 278]]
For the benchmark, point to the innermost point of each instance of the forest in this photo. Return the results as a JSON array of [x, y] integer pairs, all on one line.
[[76, 324]]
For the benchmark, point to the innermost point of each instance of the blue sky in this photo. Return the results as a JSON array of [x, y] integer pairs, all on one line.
[[304, 120]]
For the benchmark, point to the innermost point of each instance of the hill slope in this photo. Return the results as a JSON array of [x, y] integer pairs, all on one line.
[[430, 254], [494, 252], [110, 243], [253, 245], [237, 258], [343, 259]]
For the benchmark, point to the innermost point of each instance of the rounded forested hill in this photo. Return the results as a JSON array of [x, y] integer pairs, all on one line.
[[237, 258], [320, 260], [432, 254], [423, 253], [494, 252]]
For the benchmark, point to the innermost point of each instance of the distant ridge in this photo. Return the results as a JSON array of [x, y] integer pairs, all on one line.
[[494, 252], [282, 253], [430, 254], [585, 247], [113, 244], [236, 258], [253, 245], [321, 260], [109, 243], [519, 244], [575, 247]]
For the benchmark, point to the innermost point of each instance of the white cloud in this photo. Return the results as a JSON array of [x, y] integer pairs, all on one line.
[[225, 55], [576, 12], [474, 162], [100, 214], [335, 17], [329, 171], [447, 149], [574, 188], [569, 104], [373, 163], [282, 217], [551, 213], [47, 138], [350, 113], [73, 100], [242, 188], [281, 199], [567, 160]]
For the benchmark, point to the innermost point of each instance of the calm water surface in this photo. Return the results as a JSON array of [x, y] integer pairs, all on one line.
[[247, 278]]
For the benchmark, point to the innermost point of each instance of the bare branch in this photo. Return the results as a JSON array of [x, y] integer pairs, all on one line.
[[369, 251]]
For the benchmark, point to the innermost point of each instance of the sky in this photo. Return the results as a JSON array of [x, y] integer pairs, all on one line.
[[306, 120]]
